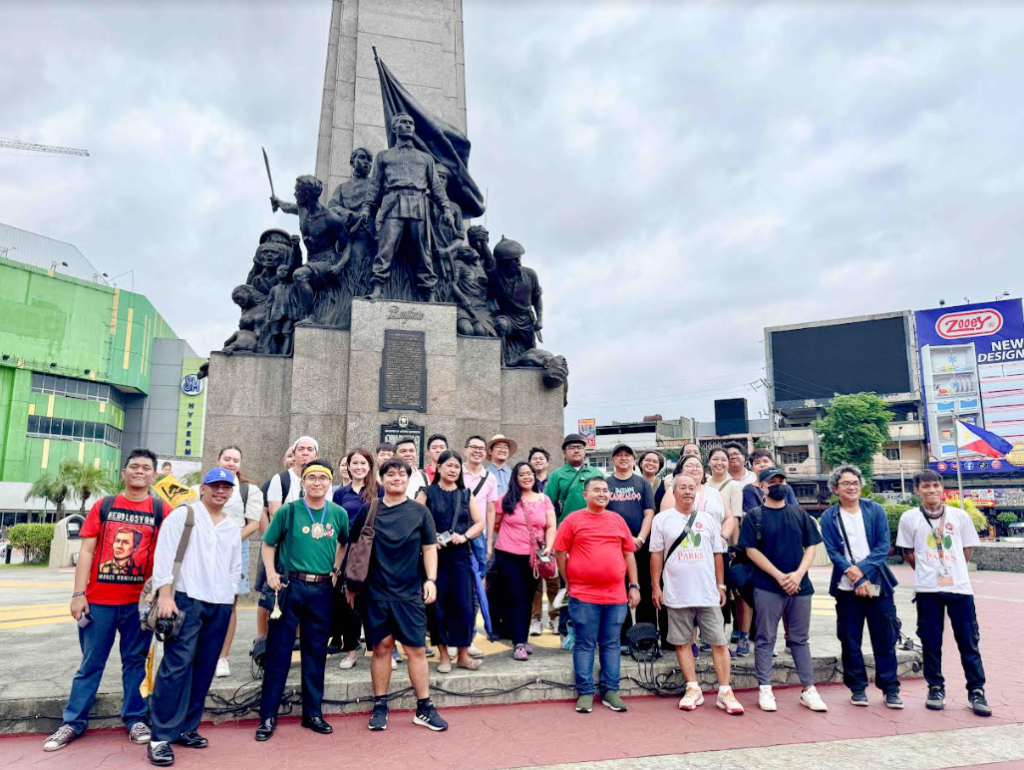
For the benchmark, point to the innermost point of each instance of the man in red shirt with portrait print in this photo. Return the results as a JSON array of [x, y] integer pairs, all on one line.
[[115, 560]]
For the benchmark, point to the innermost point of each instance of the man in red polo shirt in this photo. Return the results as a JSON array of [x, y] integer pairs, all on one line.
[[595, 549]]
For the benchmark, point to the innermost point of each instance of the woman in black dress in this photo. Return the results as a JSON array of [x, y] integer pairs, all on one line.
[[457, 517]]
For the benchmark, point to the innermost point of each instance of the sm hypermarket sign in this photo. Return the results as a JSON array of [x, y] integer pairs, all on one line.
[[972, 382]]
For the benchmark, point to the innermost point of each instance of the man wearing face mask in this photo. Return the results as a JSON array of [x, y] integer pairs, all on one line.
[[779, 540]]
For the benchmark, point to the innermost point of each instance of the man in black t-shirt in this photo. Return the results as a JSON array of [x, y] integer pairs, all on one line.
[[779, 540], [633, 499], [399, 586]]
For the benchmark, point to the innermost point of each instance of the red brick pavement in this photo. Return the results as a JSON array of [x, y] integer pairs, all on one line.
[[485, 737]]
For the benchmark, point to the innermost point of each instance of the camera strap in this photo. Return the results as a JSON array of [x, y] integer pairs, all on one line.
[[846, 538]]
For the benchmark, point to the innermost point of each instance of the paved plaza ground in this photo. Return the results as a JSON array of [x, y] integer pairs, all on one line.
[[39, 659]]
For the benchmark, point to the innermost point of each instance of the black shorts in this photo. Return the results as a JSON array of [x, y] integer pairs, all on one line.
[[261, 574], [404, 620]]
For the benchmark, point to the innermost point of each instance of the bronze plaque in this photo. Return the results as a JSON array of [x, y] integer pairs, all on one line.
[[403, 371]]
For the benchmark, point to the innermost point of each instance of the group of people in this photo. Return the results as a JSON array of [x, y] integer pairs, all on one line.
[[381, 551]]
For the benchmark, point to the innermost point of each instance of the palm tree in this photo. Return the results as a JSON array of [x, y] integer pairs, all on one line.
[[84, 480], [52, 489]]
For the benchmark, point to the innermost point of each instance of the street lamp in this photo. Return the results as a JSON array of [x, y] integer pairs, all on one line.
[[899, 450]]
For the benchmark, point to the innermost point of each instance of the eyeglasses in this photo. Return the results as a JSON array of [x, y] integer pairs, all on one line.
[[848, 484]]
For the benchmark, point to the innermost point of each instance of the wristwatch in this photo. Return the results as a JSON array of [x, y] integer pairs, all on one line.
[[76, 594], [723, 587], [430, 580], [634, 585]]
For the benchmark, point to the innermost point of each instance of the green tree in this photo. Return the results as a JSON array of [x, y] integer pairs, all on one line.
[[853, 430], [52, 489], [1007, 518], [85, 480], [978, 518]]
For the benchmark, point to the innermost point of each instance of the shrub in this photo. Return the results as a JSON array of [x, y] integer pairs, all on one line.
[[34, 540], [977, 517], [1007, 518], [893, 513]]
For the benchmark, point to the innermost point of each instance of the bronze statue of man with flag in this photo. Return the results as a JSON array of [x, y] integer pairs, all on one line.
[[402, 179]]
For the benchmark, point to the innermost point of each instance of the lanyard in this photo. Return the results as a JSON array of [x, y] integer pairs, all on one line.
[[936, 533], [318, 528]]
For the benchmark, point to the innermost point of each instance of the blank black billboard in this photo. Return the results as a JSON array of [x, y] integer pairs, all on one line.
[[818, 362], [731, 416]]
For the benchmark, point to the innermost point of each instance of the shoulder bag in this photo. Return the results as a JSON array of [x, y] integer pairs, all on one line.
[[544, 568], [358, 565]]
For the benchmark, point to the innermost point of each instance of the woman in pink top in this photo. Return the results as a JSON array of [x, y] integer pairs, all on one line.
[[527, 519]]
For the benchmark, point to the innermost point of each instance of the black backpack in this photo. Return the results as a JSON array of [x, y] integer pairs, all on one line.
[[107, 505]]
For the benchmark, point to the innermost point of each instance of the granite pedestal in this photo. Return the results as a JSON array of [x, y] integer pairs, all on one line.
[[330, 389]]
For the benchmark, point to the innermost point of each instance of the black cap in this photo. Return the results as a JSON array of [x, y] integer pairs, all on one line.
[[573, 438], [769, 473], [621, 447]]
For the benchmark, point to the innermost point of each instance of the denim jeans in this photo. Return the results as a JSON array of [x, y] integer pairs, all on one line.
[[596, 626], [96, 641]]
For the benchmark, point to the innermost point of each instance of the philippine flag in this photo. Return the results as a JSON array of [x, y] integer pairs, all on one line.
[[975, 439]]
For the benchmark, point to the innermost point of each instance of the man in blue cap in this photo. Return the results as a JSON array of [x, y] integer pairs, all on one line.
[[195, 576]]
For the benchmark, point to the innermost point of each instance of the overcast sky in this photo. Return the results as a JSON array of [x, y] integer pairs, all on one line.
[[675, 171]]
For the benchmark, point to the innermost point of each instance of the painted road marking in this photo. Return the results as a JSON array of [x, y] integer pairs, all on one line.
[[37, 584]]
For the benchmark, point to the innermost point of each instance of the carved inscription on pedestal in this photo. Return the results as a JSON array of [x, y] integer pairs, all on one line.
[[403, 371]]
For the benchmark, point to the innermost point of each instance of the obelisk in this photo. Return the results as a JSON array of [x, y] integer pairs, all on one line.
[[421, 40]]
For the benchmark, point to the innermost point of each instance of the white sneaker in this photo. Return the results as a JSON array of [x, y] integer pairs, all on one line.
[[692, 698], [475, 652], [727, 701], [347, 663], [394, 664], [766, 698], [535, 628], [223, 668], [812, 700], [552, 626]]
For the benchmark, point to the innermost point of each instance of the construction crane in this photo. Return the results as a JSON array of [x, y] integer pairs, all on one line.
[[14, 144]]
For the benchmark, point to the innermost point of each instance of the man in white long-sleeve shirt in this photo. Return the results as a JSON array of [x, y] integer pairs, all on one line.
[[204, 593]]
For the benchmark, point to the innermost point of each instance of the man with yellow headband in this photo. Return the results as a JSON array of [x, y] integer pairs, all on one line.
[[302, 552]]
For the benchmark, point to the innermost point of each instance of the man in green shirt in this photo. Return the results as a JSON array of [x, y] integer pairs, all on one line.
[[565, 485], [305, 541]]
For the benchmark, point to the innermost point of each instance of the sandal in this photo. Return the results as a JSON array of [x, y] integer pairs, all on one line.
[[473, 664], [444, 668]]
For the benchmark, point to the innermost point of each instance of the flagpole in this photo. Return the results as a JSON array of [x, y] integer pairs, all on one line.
[[959, 474]]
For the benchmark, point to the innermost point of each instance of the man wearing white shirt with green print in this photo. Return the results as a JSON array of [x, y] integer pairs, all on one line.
[[937, 541]]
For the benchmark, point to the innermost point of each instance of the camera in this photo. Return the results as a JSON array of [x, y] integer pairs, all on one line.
[[165, 629], [443, 538]]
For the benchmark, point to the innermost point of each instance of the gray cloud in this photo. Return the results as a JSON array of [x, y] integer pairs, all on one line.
[[676, 171]]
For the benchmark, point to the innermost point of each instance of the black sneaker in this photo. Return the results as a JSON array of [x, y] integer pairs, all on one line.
[[859, 698], [893, 700], [979, 703], [936, 699], [379, 717], [427, 716]]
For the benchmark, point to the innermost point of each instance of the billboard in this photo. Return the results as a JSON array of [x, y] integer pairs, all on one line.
[[814, 362], [588, 429], [731, 416], [972, 372]]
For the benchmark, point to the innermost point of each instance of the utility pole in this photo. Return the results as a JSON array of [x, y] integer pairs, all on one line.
[[770, 396]]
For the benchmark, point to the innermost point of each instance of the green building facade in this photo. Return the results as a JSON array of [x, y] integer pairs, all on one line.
[[74, 356]]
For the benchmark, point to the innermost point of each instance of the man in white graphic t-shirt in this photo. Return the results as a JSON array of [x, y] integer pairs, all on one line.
[[686, 549], [937, 541]]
